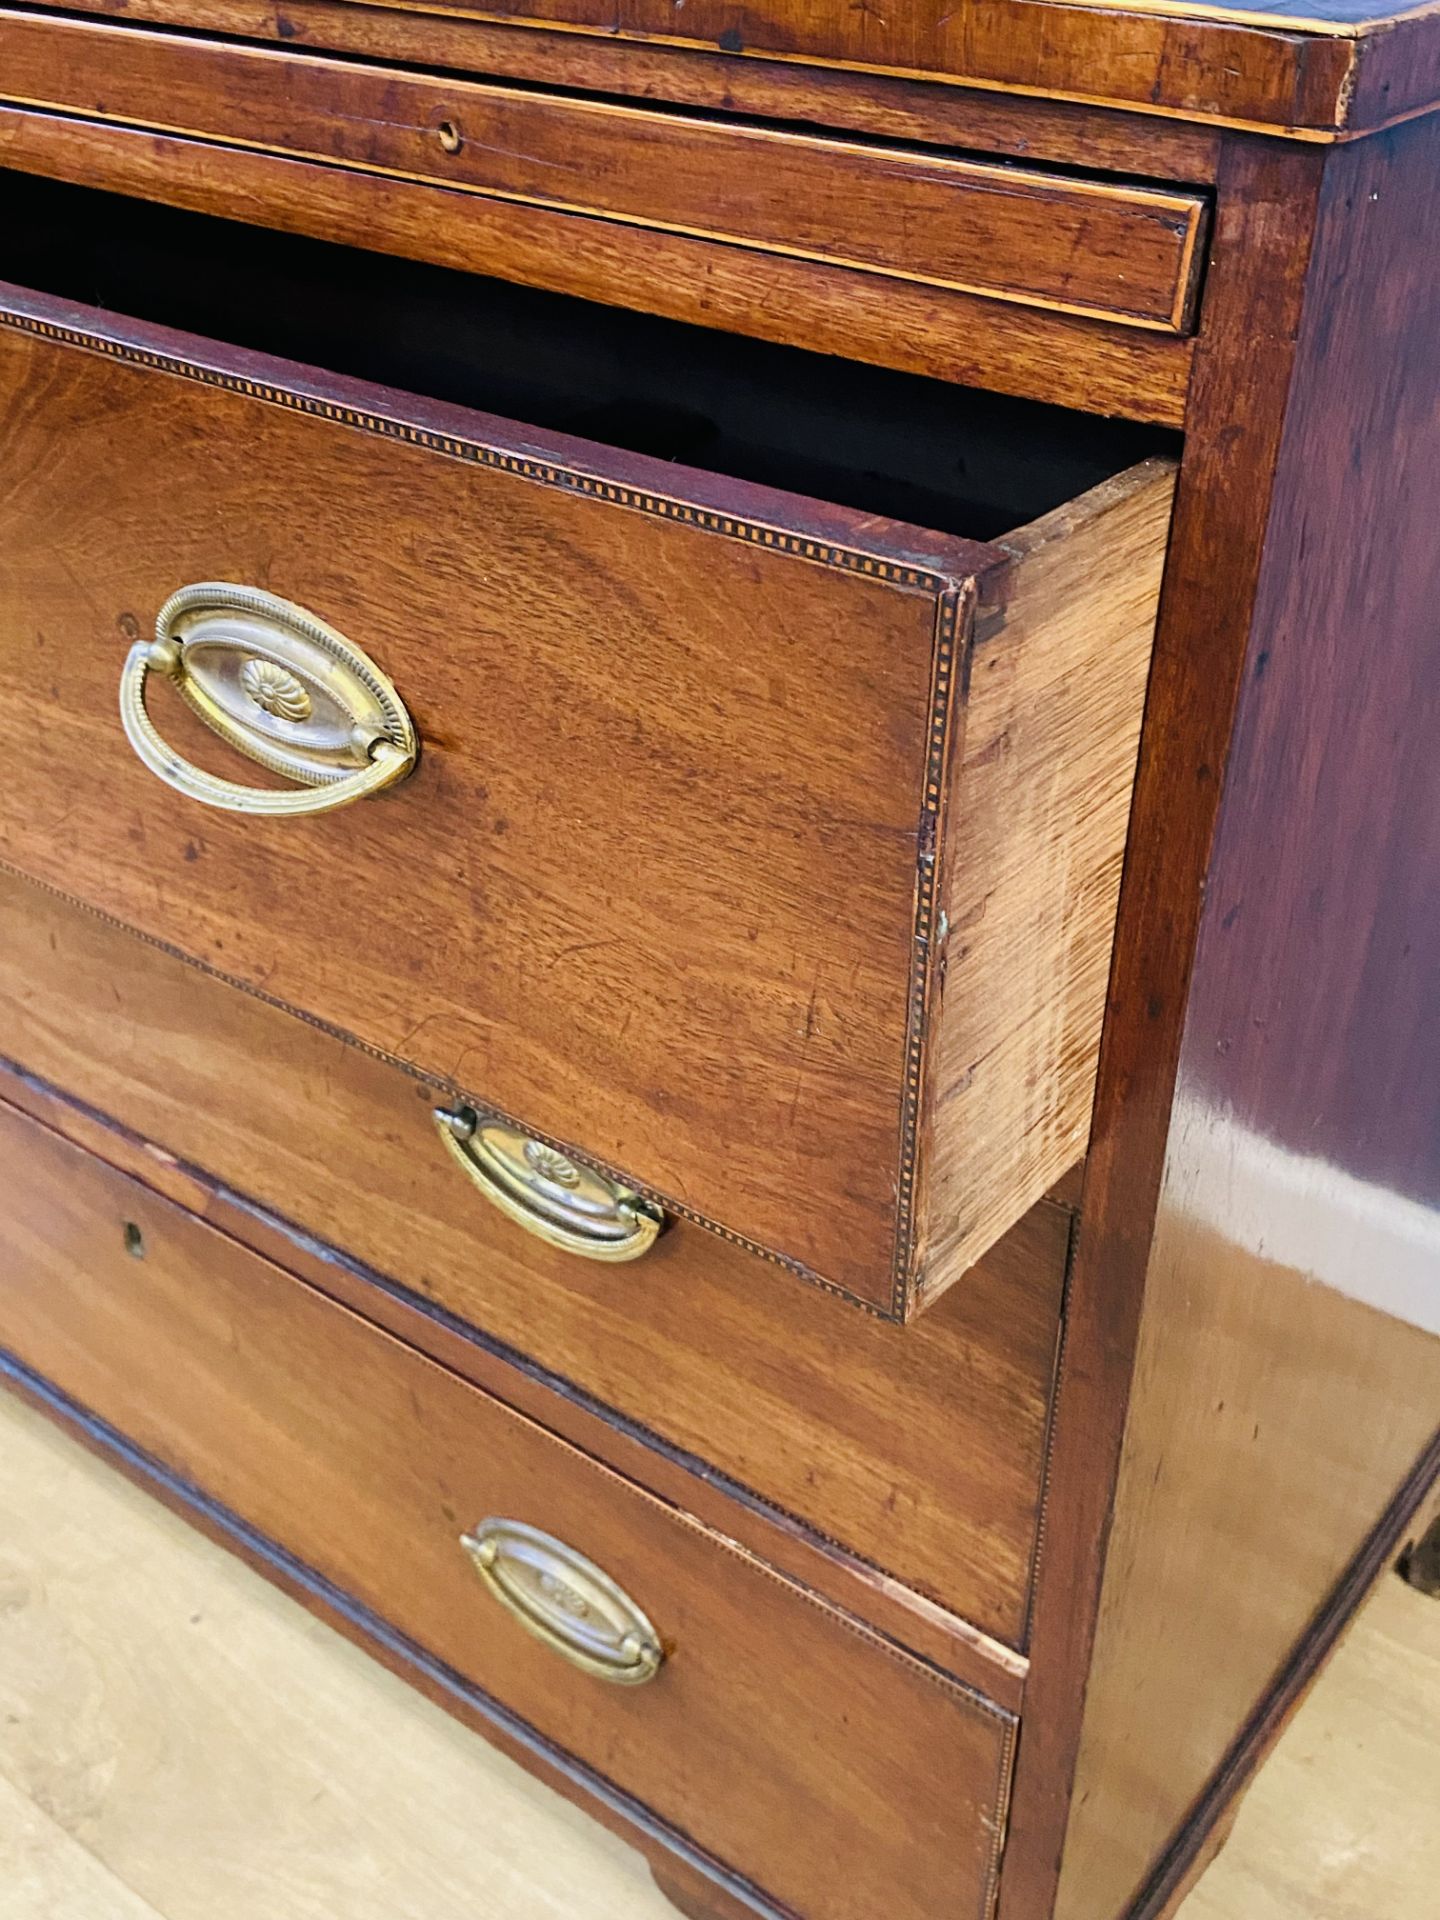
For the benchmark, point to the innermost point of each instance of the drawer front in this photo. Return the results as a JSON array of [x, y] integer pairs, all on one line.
[[803, 1752], [1104, 249], [605, 899], [918, 1449]]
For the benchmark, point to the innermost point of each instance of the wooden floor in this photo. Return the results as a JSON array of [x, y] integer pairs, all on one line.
[[179, 1740]]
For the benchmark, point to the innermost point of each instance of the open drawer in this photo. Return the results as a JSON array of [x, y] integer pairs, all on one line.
[[727, 853]]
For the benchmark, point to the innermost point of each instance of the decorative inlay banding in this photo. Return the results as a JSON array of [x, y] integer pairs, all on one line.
[[951, 595]]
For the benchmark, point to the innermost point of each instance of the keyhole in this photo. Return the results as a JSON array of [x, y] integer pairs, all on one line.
[[449, 136], [134, 1241]]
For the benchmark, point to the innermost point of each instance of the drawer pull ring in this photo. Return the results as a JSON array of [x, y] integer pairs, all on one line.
[[563, 1203], [279, 686], [566, 1601]]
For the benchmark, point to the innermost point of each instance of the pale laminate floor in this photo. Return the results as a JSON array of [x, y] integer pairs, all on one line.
[[180, 1742]]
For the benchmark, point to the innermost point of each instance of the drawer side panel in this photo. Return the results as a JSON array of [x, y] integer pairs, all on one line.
[[1041, 806]]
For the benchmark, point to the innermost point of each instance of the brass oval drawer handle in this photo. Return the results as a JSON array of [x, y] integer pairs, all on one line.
[[566, 1601], [559, 1201], [279, 686]]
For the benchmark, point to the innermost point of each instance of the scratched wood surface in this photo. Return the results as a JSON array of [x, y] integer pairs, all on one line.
[[1214, 67], [1026, 127], [179, 1740]]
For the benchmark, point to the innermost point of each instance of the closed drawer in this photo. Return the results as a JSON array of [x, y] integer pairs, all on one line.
[[917, 1450], [762, 854], [1107, 249], [781, 1738]]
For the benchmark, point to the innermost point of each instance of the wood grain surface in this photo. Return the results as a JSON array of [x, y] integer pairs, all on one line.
[[917, 1448], [629, 942], [1027, 127], [1238, 1102], [1207, 65], [1330, 69], [1283, 987], [631, 947], [831, 1571], [1103, 248], [1288, 1373], [1042, 798], [1317, 1407], [365, 1461], [47, 1872], [180, 1740], [1266, 209], [1100, 367]]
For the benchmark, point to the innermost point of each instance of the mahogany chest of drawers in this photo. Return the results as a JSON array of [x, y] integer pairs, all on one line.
[[717, 880]]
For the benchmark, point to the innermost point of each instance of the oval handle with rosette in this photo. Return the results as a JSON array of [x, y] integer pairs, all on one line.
[[280, 687], [566, 1601], [541, 1189]]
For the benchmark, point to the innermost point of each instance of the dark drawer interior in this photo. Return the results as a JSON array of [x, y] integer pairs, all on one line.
[[884, 442]]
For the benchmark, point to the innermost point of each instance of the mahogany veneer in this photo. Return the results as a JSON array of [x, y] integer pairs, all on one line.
[[917, 1449], [628, 946], [1094, 247], [367, 1461], [871, 809]]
